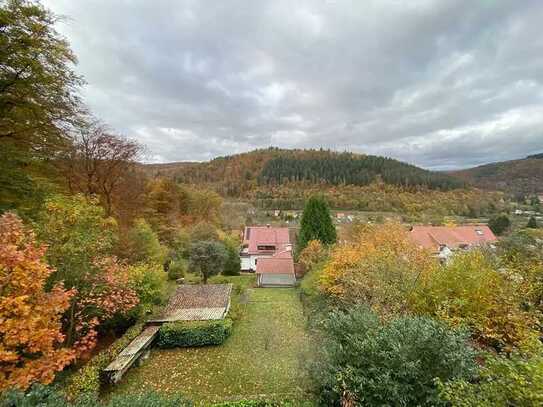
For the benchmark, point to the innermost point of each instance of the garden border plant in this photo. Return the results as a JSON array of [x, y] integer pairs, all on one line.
[[194, 333], [88, 379]]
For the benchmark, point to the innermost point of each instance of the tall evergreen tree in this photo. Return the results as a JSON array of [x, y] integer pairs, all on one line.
[[316, 223], [499, 224], [532, 223]]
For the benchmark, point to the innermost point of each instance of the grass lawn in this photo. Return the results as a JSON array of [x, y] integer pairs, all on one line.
[[264, 357]]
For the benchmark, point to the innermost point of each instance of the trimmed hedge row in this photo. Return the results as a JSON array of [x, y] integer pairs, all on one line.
[[194, 333], [87, 380]]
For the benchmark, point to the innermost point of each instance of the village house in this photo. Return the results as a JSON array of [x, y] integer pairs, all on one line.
[[267, 251], [443, 241]]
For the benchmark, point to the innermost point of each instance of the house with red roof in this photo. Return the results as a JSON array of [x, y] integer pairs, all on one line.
[[443, 241], [267, 251]]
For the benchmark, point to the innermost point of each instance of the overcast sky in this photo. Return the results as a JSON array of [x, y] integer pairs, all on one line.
[[441, 84]]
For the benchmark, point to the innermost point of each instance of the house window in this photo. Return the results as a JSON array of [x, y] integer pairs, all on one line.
[[266, 247], [479, 232]]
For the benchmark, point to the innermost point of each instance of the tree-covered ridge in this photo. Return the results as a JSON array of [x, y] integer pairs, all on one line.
[[352, 169], [236, 174], [520, 178]]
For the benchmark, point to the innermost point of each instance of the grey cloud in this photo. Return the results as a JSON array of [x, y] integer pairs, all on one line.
[[442, 83]]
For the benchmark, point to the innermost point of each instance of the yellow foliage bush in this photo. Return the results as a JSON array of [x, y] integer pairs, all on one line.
[[312, 254], [470, 292], [381, 268]]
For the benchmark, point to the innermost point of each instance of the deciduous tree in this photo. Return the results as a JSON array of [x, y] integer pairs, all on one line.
[[99, 162], [382, 268], [38, 96], [470, 292], [208, 258], [81, 240], [30, 316]]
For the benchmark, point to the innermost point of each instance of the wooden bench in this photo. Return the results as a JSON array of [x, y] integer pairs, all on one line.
[[116, 369]]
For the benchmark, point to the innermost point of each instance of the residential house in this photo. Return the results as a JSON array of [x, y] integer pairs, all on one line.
[[267, 251], [443, 241]]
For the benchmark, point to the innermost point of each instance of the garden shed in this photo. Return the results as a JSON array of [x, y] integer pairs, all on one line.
[[277, 271], [188, 303]]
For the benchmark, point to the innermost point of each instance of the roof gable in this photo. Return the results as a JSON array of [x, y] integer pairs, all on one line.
[[432, 237], [255, 236]]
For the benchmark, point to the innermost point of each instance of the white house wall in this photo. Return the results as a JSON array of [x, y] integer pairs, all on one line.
[[248, 263], [245, 263]]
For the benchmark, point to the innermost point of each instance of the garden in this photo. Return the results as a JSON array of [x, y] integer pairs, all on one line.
[[264, 358]]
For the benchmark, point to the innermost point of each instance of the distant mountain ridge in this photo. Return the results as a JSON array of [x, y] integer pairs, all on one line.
[[523, 177], [279, 166]]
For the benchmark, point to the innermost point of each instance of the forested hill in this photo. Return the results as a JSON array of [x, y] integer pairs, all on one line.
[[522, 177], [351, 169], [276, 166]]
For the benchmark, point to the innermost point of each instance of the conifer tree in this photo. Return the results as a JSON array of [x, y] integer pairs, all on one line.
[[532, 223], [316, 223]]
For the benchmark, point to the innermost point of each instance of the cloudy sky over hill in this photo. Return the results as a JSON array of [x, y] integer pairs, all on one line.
[[442, 84]]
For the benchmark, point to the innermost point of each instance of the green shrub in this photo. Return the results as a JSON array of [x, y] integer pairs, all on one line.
[[499, 224], [143, 244], [532, 223], [148, 280], [204, 231], [177, 270], [194, 333], [502, 381], [367, 362], [150, 399], [264, 403], [232, 266], [87, 380], [48, 396]]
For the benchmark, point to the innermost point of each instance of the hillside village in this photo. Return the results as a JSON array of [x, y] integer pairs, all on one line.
[[275, 277]]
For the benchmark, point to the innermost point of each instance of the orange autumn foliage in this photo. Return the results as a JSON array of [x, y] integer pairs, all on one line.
[[381, 268], [30, 317], [314, 253], [109, 293]]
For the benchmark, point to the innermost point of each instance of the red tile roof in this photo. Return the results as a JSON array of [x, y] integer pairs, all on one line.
[[280, 263], [275, 265], [432, 237], [255, 236]]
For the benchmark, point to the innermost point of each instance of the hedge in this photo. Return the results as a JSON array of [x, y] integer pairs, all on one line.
[[87, 380], [194, 333]]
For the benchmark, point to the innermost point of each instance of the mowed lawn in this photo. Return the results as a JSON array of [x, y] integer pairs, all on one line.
[[264, 358]]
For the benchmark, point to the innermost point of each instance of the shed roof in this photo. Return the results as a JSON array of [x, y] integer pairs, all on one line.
[[280, 263], [197, 302]]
